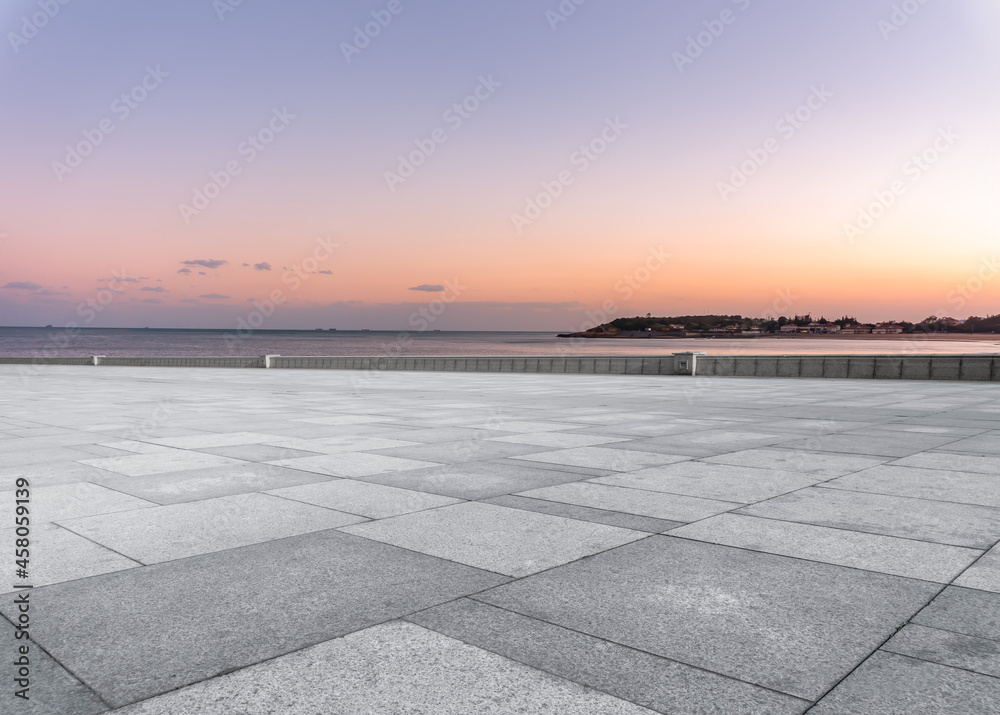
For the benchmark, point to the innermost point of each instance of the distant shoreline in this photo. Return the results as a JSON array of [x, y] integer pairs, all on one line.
[[930, 337]]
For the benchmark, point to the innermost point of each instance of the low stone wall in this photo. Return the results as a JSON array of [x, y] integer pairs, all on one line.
[[181, 361], [596, 365], [46, 361], [980, 368]]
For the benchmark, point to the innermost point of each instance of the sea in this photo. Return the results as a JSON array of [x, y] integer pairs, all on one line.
[[144, 342]]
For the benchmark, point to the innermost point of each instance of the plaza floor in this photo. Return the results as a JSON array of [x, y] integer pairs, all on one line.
[[294, 541]]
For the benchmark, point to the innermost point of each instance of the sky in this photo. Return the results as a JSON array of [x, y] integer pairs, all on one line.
[[518, 165]]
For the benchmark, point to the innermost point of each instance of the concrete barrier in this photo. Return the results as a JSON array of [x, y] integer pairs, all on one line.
[[981, 368]]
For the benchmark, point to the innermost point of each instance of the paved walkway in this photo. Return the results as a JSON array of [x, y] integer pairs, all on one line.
[[226, 541]]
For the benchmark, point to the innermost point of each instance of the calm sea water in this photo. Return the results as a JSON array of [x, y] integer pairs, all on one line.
[[55, 342]]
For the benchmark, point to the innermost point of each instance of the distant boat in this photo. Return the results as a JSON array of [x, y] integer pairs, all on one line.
[[48, 326], [319, 329], [332, 330], [365, 330]]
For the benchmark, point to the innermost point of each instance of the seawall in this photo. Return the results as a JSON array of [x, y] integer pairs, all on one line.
[[983, 368]]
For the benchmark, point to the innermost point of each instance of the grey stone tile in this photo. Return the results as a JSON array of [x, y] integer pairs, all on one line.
[[707, 443], [898, 445], [821, 464], [174, 460], [984, 444], [470, 450], [58, 555], [351, 443], [657, 683], [952, 461], [561, 440], [713, 481], [984, 574], [939, 484], [222, 611], [523, 426], [212, 440], [673, 507], [53, 474], [136, 447], [209, 483], [963, 610], [67, 501], [181, 530], [259, 452], [375, 501], [414, 670], [980, 655], [345, 419], [586, 513], [976, 527], [617, 460], [475, 480], [871, 552], [450, 434], [51, 690], [508, 541], [890, 683], [786, 624], [352, 464]]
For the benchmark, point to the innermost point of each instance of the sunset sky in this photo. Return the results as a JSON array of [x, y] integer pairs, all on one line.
[[181, 164]]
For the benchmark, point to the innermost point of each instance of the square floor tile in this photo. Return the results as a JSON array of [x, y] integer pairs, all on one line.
[[174, 460], [713, 481], [375, 501], [977, 527], [353, 464], [507, 541], [198, 484], [794, 626], [52, 690], [871, 552], [939, 484], [394, 667], [823, 464], [67, 501], [674, 507], [980, 655], [665, 685], [476, 480], [618, 460], [181, 530], [58, 555], [137, 633], [559, 439], [890, 683]]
